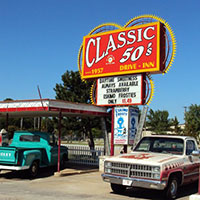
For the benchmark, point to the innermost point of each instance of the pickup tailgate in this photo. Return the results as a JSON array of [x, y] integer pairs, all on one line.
[[8, 155]]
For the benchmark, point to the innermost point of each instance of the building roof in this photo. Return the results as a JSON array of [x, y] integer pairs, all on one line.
[[49, 107]]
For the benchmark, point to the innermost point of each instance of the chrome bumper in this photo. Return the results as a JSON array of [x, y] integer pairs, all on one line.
[[17, 168], [135, 182]]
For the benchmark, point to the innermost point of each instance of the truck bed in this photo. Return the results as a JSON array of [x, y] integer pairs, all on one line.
[[14, 155]]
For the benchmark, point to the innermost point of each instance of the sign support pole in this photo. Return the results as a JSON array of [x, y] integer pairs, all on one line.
[[106, 138], [112, 134], [125, 148], [59, 139]]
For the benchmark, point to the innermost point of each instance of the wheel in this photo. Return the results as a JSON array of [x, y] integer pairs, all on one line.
[[118, 189], [33, 170], [172, 188]]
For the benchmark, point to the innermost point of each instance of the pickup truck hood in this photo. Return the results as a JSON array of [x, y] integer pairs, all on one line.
[[145, 158]]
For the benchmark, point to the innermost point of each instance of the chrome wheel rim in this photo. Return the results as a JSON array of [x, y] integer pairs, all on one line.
[[34, 169], [173, 188]]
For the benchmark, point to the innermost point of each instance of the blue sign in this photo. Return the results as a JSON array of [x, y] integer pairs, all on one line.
[[125, 124]]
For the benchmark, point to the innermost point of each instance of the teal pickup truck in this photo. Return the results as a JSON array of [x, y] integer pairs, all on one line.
[[31, 151]]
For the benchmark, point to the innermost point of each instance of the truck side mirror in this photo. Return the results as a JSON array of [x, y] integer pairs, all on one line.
[[196, 153]]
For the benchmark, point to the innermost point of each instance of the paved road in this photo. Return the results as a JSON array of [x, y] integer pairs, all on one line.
[[87, 186]]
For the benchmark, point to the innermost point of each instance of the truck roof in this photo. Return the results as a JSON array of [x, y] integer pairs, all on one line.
[[33, 132], [171, 136], [44, 135]]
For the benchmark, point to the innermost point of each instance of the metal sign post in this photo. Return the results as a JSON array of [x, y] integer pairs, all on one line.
[[59, 139], [112, 134], [140, 126]]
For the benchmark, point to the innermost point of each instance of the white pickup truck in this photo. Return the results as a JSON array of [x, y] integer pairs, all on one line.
[[158, 162]]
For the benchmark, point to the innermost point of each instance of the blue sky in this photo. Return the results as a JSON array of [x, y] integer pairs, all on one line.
[[40, 40]]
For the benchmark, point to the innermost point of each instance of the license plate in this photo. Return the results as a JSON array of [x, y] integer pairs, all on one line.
[[126, 182]]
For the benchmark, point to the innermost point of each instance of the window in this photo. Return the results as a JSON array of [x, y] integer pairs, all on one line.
[[161, 145], [29, 138], [190, 147], [144, 145]]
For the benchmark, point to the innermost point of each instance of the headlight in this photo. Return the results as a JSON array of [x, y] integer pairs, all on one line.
[[107, 170], [156, 169], [156, 176], [108, 164]]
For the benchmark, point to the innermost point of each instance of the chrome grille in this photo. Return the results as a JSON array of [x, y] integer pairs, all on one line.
[[119, 168], [132, 170]]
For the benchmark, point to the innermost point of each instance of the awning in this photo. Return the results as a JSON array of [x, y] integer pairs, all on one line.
[[49, 107]]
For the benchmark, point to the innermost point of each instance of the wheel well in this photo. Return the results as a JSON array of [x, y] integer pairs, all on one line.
[[178, 175], [38, 162]]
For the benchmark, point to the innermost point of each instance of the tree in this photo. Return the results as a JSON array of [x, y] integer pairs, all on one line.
[[158, 121], [176, 128], [192, 121], [47, 124], [8, 99], [75, 90]]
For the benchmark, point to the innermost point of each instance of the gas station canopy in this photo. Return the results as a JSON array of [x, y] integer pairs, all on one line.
[[49, 107]]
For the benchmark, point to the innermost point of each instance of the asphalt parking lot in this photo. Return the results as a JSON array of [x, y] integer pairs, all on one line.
[[73, 184]]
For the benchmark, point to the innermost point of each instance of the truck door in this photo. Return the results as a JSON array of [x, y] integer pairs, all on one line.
[[191, 171]]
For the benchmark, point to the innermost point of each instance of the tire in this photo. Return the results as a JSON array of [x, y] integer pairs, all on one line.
[[172, 188], [33, 170], [118, 189]]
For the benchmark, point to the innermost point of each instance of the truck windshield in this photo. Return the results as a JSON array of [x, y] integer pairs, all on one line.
[[161, 145]]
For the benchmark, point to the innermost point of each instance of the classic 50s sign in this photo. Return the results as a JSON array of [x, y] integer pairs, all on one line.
[[124, 51]]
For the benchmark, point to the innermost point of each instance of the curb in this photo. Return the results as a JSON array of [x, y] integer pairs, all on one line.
[[69, 172], [194, 197]]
